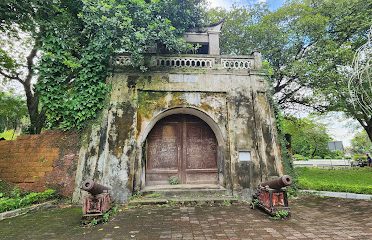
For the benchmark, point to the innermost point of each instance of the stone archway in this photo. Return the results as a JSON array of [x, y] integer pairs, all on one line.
[[185, 143]]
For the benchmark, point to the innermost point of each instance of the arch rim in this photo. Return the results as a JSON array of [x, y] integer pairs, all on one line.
[[184, 110]]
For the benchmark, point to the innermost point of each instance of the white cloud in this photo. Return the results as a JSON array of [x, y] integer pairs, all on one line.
[[228, 3], [220, 3]]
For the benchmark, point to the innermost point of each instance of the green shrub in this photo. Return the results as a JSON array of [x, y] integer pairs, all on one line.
[[327, 157], [347, 157], [299, 157], [317, 157], [18, 201], [360, 156]]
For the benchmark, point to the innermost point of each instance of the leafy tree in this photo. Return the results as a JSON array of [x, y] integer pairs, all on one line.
[[308, 138], [347, 30], [20, 26], [361, 143], [76, 60], [12, 110], [307, 44], [75, 40]]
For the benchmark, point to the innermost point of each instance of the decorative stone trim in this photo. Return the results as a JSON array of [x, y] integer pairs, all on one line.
[[182, 62], [193, 61], [231, 63], [122, 61]]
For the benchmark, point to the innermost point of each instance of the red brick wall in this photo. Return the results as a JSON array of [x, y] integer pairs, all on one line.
[[37, 162]]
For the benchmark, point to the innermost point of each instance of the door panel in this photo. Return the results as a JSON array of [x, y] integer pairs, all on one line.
[[182, 146], [201, 154]]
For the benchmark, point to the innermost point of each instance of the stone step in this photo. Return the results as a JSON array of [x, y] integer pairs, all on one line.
[[185, 190], [182, 201], [182, 194]]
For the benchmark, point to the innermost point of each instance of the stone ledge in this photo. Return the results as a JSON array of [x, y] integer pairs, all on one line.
[[346, 195], [22, 211]]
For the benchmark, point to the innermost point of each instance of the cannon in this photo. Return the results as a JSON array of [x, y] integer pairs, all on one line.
[[271, 196], [97, 202]]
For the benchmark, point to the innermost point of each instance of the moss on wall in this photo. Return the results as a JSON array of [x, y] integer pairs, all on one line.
[[122, 121]]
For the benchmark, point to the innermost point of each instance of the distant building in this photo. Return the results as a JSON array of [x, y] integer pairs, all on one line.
[[336, 146]]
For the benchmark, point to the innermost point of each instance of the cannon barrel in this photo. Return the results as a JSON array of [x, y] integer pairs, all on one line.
[[93, 188], [278, 183]]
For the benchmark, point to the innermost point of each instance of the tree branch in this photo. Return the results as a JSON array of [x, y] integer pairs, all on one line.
[[12, 77], [30, 63]]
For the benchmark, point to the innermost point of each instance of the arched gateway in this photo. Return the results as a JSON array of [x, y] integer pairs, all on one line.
[[181, 147], [201, 118]]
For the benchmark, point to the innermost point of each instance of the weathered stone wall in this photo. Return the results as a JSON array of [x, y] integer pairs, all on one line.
[[37, 162], [233, 104]]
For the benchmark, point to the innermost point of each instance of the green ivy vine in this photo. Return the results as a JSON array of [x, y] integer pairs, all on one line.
[[80, 40]]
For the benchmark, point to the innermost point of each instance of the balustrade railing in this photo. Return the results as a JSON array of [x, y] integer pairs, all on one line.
[[192, 61], [183, 62]]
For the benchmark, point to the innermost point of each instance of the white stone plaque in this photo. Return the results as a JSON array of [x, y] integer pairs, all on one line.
[[245, 156]]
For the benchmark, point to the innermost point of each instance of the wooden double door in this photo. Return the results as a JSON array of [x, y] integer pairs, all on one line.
[[182, 148]]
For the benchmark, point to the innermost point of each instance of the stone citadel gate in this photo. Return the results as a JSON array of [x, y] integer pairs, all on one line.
[[201, 119]]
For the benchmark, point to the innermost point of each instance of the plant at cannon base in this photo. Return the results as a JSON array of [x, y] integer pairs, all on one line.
[[94, 222], [102, 219], [173, 180], [109, 214], [280, 214], [254, 203]]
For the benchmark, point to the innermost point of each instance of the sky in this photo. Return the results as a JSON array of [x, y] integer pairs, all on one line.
[[273, 4]]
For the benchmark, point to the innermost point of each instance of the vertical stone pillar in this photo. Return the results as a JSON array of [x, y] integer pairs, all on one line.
[[214, 43]]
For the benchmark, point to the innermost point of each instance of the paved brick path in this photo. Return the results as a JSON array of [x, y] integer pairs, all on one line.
[[312, 218]]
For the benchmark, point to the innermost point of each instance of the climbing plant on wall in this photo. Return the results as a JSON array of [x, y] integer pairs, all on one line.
[[80, 39]]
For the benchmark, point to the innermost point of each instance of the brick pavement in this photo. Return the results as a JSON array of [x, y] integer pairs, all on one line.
[[312, 218]]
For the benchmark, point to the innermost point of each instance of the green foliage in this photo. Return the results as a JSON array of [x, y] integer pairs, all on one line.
[[338, 154], [361, 143], [15, 200], [109, 214], [174, 180], [280, 214], [306, 45], [226, 203], [286, 158], [8, 135], [299, 157], [80, 40], [308, 137], [12, 110], [360, 157], [338, 180]]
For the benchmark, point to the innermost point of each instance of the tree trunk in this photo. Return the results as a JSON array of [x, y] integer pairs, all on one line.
[[368, 129], [37, 117]]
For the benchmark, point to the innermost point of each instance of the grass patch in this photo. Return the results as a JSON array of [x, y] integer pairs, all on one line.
[[355, 180]]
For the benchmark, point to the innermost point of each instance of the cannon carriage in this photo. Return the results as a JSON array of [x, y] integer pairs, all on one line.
[[271, 196], [97, 202]]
